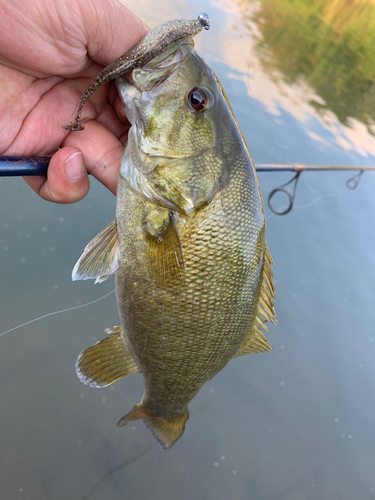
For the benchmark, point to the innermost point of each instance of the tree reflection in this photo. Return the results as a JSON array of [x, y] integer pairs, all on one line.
[[328, 43]]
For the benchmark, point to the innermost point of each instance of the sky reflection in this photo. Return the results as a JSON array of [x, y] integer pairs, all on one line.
[[234, 42]]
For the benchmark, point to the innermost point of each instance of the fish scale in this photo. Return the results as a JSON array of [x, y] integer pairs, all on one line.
[[193, 339]]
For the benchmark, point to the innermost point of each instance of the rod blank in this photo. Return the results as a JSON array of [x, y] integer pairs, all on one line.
[[15, 166], [12, 166]]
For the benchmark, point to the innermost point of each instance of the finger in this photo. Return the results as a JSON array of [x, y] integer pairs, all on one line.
[[119, 108], [101, 150], [67, 180], [112, 115], [111, 29]]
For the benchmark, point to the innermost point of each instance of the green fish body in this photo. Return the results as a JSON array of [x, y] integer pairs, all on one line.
[[193, 273]]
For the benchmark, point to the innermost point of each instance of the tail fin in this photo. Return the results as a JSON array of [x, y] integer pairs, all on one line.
[[165, 430]]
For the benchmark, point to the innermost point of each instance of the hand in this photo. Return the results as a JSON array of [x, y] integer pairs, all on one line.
[[50, 50]]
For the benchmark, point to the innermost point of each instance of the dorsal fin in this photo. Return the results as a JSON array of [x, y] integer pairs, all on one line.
[[266, 309], [255, 340], [100, 257]]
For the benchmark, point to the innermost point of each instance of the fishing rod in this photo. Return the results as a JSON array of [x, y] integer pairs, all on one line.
[[298, 168], [11, 166]]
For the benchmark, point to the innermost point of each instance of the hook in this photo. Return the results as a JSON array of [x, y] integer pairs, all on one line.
[[352, 183], [290, 195]]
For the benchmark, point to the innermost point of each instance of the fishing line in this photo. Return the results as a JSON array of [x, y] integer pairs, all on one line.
[[323, 197], [58, 312], [243, 60], [353, 215], [113, 471], [280, 145], [319, 192], [320, 197], [248, 86]]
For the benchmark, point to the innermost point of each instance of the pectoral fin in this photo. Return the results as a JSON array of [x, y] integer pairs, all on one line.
[[164, 251], [165, 430], [105, 362], [100, 258]]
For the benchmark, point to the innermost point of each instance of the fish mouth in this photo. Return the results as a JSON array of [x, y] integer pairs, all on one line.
[[163, 67], [156, 78]]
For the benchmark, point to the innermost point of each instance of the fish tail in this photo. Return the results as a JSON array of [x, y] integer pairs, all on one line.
[[165, 430]]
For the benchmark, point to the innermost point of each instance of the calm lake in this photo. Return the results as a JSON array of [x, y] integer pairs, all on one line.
[[295, 424]]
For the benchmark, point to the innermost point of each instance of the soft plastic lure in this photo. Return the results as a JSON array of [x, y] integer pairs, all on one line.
[[151, 45]]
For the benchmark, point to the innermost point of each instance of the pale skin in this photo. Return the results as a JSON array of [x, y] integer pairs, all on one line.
[[50, 50]]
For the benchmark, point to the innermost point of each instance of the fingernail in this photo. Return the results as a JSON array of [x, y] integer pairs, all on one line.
[[74, 168]]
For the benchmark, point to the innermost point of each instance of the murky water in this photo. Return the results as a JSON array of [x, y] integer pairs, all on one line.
[[291, 425]]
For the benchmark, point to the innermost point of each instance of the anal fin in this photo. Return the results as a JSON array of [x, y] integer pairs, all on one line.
[[105, 362], [165, 430]]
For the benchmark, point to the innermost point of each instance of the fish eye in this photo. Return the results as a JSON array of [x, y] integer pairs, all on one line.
[[198, 99]]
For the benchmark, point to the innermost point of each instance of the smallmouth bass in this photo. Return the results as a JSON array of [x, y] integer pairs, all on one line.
[[193, 274]]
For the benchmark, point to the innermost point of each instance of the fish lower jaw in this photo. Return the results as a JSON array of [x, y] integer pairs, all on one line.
[[152, 156]]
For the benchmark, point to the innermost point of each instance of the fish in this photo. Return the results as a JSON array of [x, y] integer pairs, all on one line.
[[193, 273]]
